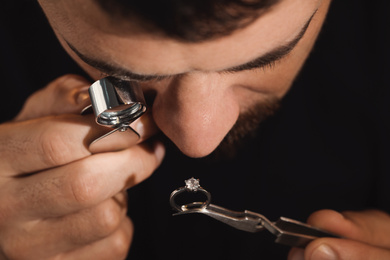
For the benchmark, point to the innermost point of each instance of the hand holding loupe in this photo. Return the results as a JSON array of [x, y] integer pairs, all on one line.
[[116, 104]]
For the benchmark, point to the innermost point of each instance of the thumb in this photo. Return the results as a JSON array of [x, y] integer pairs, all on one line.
[[369, 226], [65, 95], [365, 235], [343, 249]]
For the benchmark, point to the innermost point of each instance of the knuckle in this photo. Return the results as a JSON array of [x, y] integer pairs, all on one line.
[[83, 186], [107, 219], [70, 86], [145, 165], [121, 244], [14, 251], [66, 82], [95, 224], [54, 147]]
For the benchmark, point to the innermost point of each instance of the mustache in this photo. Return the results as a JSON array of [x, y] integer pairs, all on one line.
[[246, 128]]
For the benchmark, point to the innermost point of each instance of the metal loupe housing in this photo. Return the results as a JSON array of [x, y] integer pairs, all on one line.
[[116, 103]]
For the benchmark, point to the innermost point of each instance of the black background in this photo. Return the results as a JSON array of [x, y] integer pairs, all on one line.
[[328, 147]]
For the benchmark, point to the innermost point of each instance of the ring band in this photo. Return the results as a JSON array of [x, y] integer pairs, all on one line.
[[189, 188]]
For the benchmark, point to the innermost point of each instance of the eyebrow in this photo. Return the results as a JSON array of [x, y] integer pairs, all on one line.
[[276, 54], [261, 62]]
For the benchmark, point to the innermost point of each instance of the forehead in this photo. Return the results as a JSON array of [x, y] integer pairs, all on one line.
[[87, 28]]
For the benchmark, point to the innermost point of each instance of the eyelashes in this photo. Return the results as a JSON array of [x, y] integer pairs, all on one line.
[[138, 80], [254, 66], [268, 62], [249, 67]]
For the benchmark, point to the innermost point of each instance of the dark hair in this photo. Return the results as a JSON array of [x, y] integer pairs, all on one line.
[[188, 20]]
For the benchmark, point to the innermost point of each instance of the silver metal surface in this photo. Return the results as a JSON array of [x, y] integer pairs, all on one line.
[[185, 207], [244, 221], [122, 138], [287, 231], [192, 185], [116, 104]]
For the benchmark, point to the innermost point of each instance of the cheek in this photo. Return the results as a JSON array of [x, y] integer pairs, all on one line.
[[278, 79], [252, 86], [255, 86]]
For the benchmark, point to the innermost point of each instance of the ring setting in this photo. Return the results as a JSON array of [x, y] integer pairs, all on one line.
[[191, 185]]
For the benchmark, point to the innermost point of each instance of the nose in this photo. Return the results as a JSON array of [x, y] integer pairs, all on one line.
[[196, 111]]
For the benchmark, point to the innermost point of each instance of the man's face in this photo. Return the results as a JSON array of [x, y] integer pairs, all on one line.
[[199, 89]]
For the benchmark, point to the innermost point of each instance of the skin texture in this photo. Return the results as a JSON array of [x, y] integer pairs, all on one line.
[[197, 109], [60, 201], [57, 200]]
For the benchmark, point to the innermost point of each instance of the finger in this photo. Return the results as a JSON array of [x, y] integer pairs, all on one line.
[[145, 126], [84, 227], [296, 254], [67, 94], [85, 183], [369, 226], [47, 237], [43, 143], [39, 144], [116, 246], [343, 249], [92, 224]]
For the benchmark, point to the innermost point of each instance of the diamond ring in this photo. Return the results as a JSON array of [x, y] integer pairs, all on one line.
[[192, 185]]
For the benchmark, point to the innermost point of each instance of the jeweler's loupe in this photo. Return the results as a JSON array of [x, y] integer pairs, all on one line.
[[116, 104]]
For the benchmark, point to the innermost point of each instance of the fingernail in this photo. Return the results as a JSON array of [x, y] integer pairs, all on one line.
[[298, 254], [324, 252], [139, 127], [82, 96], [159, 150], [145, 126]]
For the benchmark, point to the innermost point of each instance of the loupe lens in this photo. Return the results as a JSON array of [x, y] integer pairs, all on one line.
[[116, 102]]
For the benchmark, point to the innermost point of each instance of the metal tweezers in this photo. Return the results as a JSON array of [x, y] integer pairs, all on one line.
[[287, 231]]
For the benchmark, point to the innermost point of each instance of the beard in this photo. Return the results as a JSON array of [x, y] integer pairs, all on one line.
[[246, 128]]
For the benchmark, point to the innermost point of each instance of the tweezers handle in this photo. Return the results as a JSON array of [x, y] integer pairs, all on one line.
[[287, 231], [294, 233]]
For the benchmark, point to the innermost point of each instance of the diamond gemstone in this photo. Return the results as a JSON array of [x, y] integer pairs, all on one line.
[[192, 184]]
